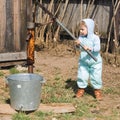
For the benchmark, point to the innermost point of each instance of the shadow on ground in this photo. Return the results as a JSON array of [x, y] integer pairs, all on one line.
[[73, 84]]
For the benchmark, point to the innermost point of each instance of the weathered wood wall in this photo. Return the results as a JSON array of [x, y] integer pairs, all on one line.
[[117, 17], [100, 11], [13, 29]]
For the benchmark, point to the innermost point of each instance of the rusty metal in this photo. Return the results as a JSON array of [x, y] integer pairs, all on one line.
[[30, 46]]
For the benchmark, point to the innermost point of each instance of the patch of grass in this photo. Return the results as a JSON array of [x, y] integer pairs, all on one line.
[[1, 74], [41, 116], [13, 70], [57, 77], [61, 90], [20, 116], [111, 90], [67, 116], [115, 113], [56, 94]]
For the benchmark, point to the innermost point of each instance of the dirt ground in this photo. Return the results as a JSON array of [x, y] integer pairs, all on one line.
[[66, 63]]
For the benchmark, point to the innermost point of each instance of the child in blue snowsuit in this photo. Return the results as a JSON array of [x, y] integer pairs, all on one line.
[[88, 68]]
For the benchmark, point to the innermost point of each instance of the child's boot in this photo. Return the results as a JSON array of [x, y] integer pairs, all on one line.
[[80, 92], [98, 94]]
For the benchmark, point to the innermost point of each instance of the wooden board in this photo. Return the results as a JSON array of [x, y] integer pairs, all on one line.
[[57, 108], [13, 63], [6, 109], [12, 56]]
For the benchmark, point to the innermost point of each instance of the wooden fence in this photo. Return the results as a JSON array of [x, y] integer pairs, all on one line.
[[71, 12], [13, 31]]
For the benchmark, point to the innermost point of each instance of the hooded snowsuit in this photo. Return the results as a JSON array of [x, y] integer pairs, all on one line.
[[88, 68]]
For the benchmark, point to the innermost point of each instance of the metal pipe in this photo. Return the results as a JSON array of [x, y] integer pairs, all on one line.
[[30, 46]]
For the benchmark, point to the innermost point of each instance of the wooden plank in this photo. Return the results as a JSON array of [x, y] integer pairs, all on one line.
[[12, 56], [13, 63], [23, 24], [9, 33], [6, 109], [29, 10], [13, 30], [2, 24], [57, 108], [16, 9]]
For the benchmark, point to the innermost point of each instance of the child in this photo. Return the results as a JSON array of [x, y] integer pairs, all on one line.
[[88, 68]]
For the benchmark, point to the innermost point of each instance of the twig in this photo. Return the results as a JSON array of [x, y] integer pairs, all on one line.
[[61, 18], [81, 4], [113, 18]]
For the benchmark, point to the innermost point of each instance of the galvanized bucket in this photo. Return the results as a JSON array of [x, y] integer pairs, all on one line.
[[25, 91]]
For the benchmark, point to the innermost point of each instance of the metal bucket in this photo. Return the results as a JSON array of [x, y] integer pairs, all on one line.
[[25, 91]]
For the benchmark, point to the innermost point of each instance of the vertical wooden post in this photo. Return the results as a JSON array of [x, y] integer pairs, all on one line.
[[117, 26]]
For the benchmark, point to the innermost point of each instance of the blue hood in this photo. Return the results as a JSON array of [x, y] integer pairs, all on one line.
[[90, 26], [91, 40]]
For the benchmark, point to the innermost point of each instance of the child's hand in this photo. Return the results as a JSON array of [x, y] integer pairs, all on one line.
[[77, 42], [87, 48]]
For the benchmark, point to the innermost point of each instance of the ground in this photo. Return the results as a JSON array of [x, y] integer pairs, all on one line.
[[50, 62]]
